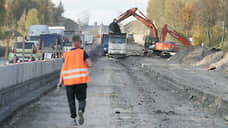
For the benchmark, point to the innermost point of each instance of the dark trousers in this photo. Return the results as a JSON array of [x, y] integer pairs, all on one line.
[[78, 91]]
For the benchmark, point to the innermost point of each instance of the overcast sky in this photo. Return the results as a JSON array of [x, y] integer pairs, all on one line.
[[102, 11]]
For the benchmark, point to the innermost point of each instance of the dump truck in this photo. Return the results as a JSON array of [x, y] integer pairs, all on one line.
[[88, 39], [67, 39], [117, 44], [104, 40], [51, 45], [35, 31]]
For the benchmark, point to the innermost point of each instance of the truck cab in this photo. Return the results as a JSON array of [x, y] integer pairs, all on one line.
[[105, 43], [30, 52]]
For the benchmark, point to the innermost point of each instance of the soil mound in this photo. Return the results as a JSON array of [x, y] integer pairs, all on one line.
[[222, 64], [211, 58], [189, 55]]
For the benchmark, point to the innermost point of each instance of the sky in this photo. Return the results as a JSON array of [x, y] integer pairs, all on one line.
[[102, 11]]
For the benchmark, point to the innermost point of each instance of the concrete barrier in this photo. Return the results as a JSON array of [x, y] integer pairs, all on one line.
[[20, 84], [15, 74]]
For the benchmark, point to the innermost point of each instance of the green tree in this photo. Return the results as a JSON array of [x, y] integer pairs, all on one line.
[[2, 17], [32, 18], [155, 11], [172, 11], [60, 9], [209, 13], [21, 24], [2, 11], [187, 17], [198, 35]]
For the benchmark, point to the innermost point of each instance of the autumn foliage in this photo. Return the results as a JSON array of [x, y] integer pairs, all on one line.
[[201, 20]]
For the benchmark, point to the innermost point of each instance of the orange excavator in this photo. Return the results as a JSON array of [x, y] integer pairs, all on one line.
[[152, 42]]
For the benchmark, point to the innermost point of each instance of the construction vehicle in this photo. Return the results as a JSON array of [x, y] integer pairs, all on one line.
[[104, 40], [117, 44], [152, 42], [30, 52], [35, 31], [51, 45], [174, 34], [89, 39], [67, 39]]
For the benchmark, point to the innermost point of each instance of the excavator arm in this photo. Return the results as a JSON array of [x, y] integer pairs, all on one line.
[[143, 19], [174, 34]]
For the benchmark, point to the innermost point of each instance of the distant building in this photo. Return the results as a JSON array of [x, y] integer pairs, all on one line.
[[95, 29]]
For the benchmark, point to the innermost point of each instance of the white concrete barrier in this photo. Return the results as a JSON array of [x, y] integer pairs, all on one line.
[[15, 74]]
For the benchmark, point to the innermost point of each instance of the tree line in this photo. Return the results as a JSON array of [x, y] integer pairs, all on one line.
[[20, 14], [203, 20]]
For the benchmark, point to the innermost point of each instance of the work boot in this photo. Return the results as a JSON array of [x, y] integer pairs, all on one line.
[[74, 122], [81, 118]]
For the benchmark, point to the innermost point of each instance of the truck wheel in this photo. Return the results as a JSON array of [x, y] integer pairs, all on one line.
[[145, 52]]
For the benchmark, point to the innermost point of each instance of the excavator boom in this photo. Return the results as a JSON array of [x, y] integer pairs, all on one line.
[[143, 19], [174, 34]]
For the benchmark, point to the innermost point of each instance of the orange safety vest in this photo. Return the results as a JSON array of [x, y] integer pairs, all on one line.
[[75, 70]]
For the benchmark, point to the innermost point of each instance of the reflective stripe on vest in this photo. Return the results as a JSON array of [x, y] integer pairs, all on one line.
[[75, 76], [75, 70]]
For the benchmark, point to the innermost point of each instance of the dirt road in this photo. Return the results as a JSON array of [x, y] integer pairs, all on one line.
[[120, 95]]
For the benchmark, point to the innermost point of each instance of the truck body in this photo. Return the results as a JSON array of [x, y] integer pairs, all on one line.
[[67, 39], [35, 31], [88, 39], [117, 44], [49, 43], [105, 43], [56, 29]]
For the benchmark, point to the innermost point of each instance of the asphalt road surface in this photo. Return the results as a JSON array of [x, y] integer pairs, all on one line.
[[120, 95]]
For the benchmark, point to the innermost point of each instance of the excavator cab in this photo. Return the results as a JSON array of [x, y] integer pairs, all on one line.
[[150, 43]]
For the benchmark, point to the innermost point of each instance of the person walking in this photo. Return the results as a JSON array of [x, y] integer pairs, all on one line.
[[74, 75]]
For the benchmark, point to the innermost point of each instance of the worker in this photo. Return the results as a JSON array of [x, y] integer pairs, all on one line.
[[74, 75]]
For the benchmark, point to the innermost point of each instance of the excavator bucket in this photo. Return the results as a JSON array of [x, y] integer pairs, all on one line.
[[114, 28]]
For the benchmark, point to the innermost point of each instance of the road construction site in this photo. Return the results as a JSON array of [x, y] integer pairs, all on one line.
[[136, 92]]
